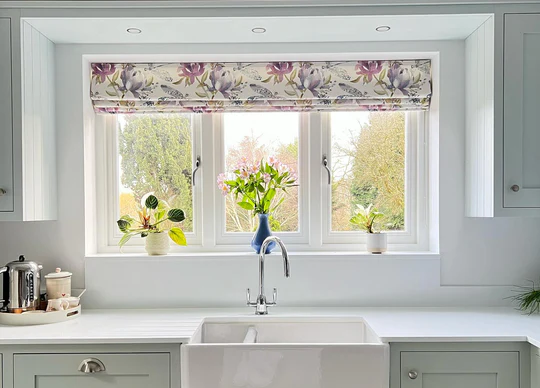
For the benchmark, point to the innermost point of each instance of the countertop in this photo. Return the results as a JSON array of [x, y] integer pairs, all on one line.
[[177, 326]]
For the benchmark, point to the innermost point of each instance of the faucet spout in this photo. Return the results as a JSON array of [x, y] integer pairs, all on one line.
[[261, 305]]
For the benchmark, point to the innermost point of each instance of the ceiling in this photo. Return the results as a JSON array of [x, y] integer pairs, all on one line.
[[239, 30]]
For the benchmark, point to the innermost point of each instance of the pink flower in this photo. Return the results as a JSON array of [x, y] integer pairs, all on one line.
[[279, 69], [253, 169], [225, 189], [267, 178], [221, 180], [191, 70], [368, 68], [242, 163], [244, 174], [272, 160], [294, 176]]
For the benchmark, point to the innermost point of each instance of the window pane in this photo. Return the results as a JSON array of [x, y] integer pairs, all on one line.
[[256, 136], [368, 163], [155, 156]]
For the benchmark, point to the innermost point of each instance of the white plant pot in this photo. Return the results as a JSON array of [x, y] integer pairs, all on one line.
[[376, 242], [157, 243]]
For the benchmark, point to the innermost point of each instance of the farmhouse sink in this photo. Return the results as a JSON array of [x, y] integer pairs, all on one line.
[[285, 353]]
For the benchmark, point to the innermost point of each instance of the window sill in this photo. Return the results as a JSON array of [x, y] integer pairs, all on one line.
[[322, 255]]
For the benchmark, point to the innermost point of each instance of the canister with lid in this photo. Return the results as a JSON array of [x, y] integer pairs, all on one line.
[[58, 284]]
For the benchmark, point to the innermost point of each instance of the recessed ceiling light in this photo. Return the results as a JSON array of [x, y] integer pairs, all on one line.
[[258, 30], [134, 30], [383, 28]]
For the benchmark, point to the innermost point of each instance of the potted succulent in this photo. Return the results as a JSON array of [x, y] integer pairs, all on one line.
[[365, 217], [150, 225], [254, 186]]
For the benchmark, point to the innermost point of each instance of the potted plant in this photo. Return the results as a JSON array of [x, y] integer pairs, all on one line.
[[254, 186], [150, 225], [365, 217]]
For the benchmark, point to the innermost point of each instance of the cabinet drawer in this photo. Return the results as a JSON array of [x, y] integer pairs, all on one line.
[[460, 369], [127, 370]]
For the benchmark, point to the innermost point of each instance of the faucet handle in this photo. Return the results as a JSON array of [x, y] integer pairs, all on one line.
[[248, 298], [274, 298]]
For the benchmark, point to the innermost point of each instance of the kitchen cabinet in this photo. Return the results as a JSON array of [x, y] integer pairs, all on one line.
[[118, 370], [459, 369], [27, 122], [6, 120], [521, 112], [463, 365], [535, 367]]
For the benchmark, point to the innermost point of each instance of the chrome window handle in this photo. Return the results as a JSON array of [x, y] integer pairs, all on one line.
[[2, 191], [325, 164], [197, 165], [91, 365]]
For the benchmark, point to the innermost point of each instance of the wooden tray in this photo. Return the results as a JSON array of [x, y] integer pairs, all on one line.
[[41, 318]]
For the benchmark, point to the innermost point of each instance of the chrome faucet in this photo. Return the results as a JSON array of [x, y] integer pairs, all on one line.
[[261, 305]]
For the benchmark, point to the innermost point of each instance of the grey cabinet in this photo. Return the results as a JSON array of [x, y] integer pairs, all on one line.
[[459, 370], [6, 118], [122, 370], [521, 126]]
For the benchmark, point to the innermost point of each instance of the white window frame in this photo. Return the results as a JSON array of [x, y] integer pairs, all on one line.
[[314, 233], [415, 236], [107, 190]]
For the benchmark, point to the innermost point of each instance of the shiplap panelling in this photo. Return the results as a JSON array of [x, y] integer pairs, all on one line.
[[479, 76], [39, 132]]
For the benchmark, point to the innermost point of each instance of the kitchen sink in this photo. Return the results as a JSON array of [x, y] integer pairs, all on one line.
[[276, 352]]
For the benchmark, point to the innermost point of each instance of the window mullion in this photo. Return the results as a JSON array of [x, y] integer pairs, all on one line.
[[317, 185], [210, 213]]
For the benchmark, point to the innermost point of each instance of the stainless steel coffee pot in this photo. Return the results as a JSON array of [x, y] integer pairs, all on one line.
[[22, 281]]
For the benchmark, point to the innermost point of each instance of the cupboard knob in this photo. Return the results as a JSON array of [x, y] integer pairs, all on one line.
[[91, 365], [413, 374], [2, 192], [515, 188]]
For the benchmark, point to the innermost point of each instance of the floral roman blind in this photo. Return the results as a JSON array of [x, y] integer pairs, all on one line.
[[260, 86]]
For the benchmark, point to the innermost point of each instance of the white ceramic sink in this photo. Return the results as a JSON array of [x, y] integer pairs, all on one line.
[[275, 352]]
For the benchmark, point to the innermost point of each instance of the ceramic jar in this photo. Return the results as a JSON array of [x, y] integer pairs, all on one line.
[[376, 242], [157, 243], [58, 284]]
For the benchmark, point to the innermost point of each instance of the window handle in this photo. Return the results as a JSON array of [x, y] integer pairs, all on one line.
[[197, 165], [325, 164]]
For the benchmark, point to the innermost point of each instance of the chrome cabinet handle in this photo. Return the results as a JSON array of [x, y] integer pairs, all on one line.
[[197, 165], [325, 164], [2, 192], [91, 365], [413, 375], [514, 188]]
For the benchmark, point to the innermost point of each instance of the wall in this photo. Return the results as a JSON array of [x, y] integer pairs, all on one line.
[[478, 257]]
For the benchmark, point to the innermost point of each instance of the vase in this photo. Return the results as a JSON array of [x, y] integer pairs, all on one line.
[[157, 244], [376, 242], [263, 231]]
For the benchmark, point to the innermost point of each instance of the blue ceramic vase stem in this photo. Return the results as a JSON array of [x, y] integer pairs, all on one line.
[[263, 231]]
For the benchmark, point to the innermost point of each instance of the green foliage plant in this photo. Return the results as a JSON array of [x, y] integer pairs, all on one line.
[[150, 220], [365, 217], [254, 185], [527, 298]]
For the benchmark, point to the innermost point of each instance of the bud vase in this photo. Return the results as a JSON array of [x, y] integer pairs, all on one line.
[[263, 231]]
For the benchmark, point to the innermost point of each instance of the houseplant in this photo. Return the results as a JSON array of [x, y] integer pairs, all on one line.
[[150, 225], [254, 186], [365, 217]]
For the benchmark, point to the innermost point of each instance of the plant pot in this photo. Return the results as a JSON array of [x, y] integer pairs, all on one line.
[[157, 243], [376, 242], [263, 231]]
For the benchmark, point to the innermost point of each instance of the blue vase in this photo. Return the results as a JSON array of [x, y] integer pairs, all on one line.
[[263, 231]]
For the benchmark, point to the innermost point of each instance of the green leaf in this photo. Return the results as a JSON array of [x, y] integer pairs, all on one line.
[[271, 194], [123, 225], [202, 95], [293, 74], [204, 77], [115, 76], [246, 205], [177, 235], [125, 238], [159, 214], [290, 93], [266, 80], [151, 202], [176, 215], [260, 188], [113, 94]]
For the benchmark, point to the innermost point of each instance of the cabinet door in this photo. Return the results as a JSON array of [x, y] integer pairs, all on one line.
[[6, 119], [121, 371], [460, 370], [521, 111]]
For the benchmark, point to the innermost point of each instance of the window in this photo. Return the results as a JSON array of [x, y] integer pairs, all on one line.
[[374, 158]]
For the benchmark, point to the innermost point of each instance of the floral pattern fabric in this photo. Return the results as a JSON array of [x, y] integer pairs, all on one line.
[[286, 86]]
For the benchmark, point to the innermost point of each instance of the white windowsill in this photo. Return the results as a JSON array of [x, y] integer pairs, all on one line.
[[354, 255]]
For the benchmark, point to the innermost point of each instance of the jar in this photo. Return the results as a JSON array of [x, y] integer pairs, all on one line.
[[58, 284]]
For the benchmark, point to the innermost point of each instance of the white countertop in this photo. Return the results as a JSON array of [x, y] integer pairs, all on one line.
[[391, 324]]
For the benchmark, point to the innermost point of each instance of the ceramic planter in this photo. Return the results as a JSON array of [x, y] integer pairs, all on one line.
[[376, 242], [157, 243]]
